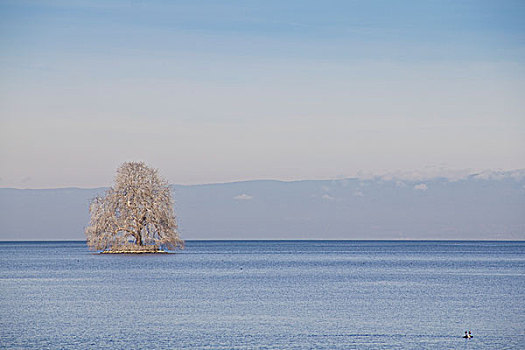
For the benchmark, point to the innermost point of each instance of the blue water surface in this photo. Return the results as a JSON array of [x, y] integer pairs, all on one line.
[[265, 295]]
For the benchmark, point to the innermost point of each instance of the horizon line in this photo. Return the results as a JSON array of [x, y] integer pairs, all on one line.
[[288, 240], [489, 174]]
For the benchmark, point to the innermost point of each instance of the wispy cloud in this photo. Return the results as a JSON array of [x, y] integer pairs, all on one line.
[[517, 174], [451, 175], [327, 197], [427, 173], [243, 197], [400, 183], [420, 187]]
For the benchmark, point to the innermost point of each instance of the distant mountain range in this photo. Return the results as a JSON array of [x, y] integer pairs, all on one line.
[[479, 206]]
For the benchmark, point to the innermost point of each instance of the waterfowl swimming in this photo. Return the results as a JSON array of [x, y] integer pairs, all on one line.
[[467, 335]]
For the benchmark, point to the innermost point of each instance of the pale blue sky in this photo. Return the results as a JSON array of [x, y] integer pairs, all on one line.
[[212, 91]]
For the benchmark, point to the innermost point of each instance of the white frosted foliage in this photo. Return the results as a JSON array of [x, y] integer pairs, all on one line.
[[135, 214]]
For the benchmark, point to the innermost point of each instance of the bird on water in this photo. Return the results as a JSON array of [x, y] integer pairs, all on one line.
[[468, 335]]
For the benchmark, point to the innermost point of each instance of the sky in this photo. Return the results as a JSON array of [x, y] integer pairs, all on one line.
[[219, 91]]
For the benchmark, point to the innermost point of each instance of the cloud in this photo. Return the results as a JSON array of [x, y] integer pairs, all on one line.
[[517, 174], [358, 194], [327, 197], [243, 197], [427, 173], [421, 187], [451, 175]]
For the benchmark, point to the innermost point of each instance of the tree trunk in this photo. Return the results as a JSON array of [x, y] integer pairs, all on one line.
[[138, 238]]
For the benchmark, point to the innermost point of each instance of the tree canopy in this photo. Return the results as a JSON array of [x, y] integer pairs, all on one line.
[[136, 214]]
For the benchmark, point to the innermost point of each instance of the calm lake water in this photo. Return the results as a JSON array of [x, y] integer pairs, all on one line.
[[265, 295]]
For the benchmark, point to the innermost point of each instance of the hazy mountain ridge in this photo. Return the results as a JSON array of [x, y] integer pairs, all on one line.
[[476, 206]]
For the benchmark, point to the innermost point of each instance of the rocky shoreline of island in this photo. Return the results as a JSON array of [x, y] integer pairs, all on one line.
[[134, 252]]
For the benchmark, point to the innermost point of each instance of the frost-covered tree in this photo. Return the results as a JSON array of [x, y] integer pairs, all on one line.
[[134, 215]]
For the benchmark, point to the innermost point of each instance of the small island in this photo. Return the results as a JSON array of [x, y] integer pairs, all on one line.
[[135, 216]]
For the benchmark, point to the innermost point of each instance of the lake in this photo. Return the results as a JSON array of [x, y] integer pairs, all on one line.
[[265, 295]]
